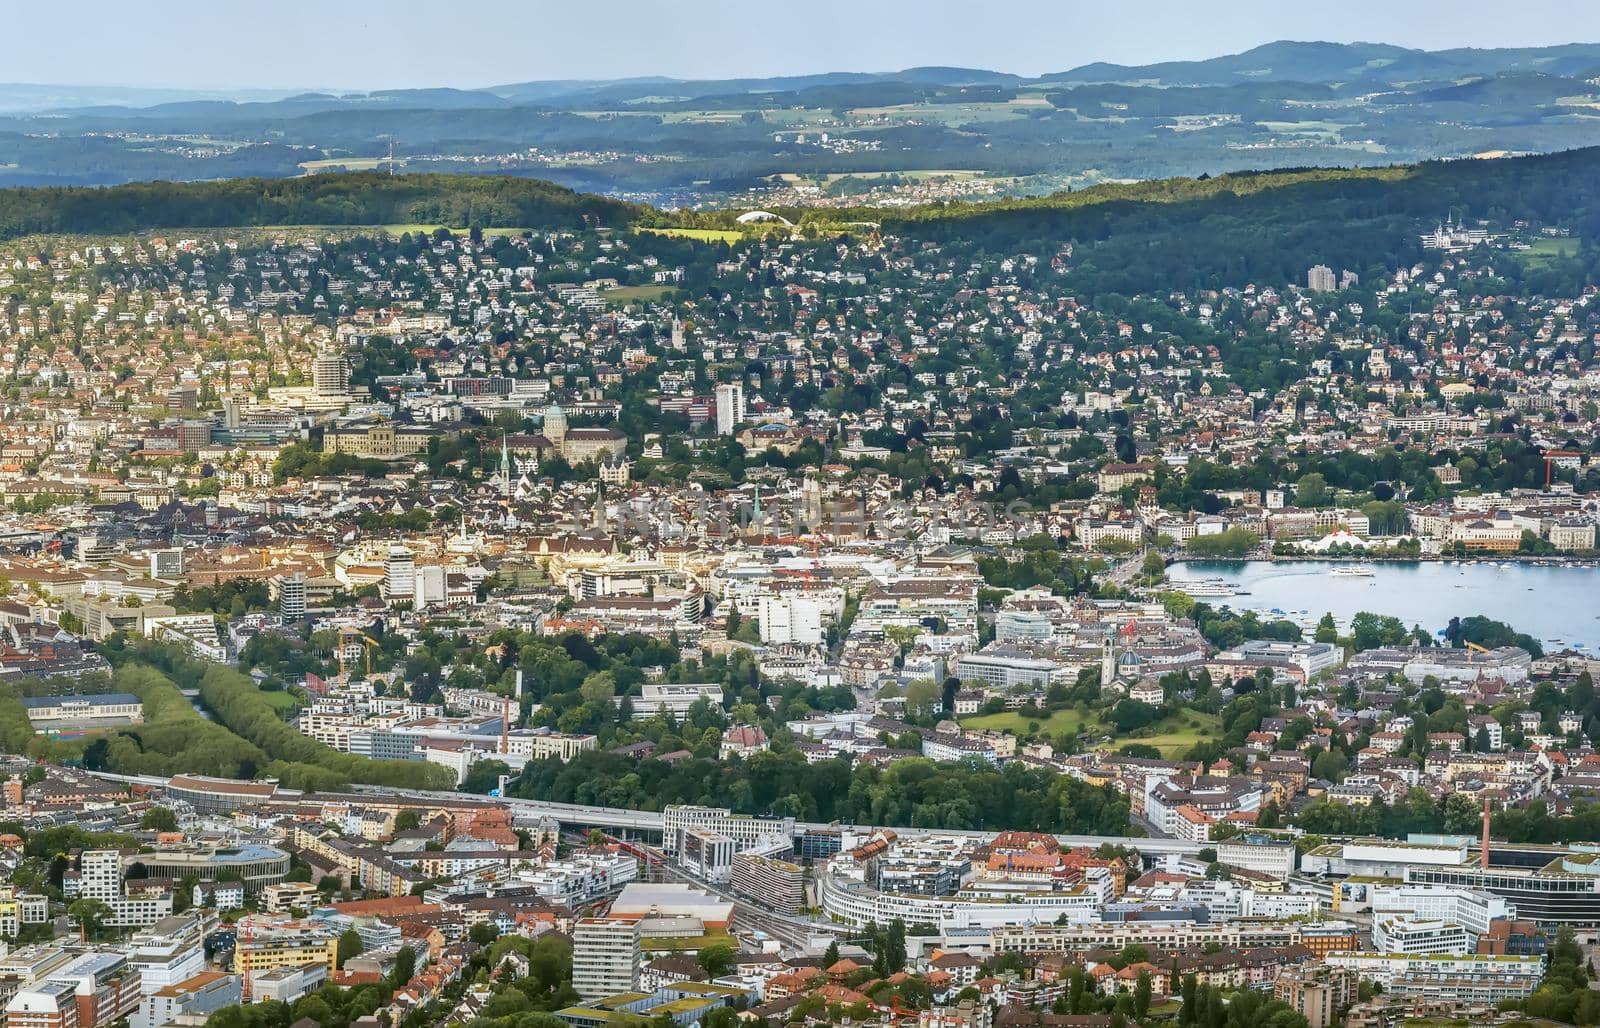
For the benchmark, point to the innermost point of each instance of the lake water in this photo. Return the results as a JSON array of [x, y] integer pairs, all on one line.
[[1556, 604]]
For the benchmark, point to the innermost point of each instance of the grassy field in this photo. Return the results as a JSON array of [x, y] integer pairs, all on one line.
[[282, 702], [396, 230], [1069, 720], [1173, 737], [635, 294], [951, 114], [1176, 735], [704, 235], [1543, 251]]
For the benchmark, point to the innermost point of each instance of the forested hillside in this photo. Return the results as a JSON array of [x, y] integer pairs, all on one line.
[[1207, 232], [347, 199], [1269, 227]]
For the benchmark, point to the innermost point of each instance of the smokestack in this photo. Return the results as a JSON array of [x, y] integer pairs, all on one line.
[[1483, 855], [519, 683], [505, 734]]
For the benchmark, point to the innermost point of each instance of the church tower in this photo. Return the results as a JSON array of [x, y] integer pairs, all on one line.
[[1108, 661]]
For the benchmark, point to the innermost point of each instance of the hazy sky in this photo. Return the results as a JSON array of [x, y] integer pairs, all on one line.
[[398, 43]]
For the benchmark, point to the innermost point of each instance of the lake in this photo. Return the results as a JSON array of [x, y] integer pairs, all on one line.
[[1558, 605]]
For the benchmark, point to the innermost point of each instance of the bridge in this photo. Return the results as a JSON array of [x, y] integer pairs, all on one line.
[[650, 822]]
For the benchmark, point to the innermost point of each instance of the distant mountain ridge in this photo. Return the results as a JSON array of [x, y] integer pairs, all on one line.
[[1281, 60], [1294, 61], [680, 142]]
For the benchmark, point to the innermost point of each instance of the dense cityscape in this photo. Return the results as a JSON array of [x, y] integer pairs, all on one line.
[[882, 600]]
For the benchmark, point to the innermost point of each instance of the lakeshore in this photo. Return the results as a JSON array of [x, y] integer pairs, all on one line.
[[1554, 601]]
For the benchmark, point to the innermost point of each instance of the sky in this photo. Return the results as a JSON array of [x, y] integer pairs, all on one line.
[[348, 45]]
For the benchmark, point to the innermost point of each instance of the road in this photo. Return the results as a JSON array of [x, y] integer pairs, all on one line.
[[794, 933], [1123, 573]]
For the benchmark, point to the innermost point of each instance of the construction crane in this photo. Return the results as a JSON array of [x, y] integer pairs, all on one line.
[[349, 635], [1550, 458], [1474, 648]]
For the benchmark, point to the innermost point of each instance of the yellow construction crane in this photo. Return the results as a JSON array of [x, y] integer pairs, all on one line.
[[1474, 648], [368, 643]]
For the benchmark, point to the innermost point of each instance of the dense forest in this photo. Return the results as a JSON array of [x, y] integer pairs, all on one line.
[[914, 792], [349, 199]]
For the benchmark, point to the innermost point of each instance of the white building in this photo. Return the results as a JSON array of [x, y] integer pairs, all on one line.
[[100, 878], [605, 957], [399, 574], [196, 996], [1258, 853], [730, 407], [292, 596], [675, 698], [1469, 979], [744, 829], [1004, 667], [790, 619], [1472, 909], [1415, 937]]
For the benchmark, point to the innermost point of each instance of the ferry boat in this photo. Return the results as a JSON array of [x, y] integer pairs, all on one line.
[[1349, 572], [1206, 587]]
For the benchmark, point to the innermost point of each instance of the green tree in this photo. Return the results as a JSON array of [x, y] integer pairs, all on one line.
[[159, 819], [1141, 996], [1311, 490], [923, 697], [1329, 765], [405, 967], [92, 914], [895, 944], [598, 688], [350, 946], [716, 960]]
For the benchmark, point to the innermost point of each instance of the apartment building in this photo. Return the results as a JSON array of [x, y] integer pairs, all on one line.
[[92, 991], [21, 908], [265, 943], [605, 957], [745, 830], [1316, 993], [1470, 979], [197, 996], [100, 878]]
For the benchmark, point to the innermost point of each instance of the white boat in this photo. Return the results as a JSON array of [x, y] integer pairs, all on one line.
[[1209, 587], [1352, 572]]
